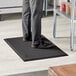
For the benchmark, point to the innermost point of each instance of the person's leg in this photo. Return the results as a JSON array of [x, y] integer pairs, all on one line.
[[36, 11], [26, 20]]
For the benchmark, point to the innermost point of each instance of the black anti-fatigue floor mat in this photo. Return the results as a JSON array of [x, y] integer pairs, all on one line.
[[27, 53]]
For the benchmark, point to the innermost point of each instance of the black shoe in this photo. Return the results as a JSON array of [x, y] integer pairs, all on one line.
[[35, 45], [43, 45], [27, 38]]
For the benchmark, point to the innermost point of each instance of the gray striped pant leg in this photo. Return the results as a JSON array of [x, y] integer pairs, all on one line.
[[26, 18], [36, 12]]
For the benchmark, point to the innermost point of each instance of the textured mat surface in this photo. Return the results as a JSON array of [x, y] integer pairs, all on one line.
[[26, 53]]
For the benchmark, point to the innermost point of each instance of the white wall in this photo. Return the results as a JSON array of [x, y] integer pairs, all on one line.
[[10, 3]]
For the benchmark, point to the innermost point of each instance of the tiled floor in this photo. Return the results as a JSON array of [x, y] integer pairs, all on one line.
[[10, 62]]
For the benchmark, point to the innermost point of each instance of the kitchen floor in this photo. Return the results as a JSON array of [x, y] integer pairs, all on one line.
[[11, 63]]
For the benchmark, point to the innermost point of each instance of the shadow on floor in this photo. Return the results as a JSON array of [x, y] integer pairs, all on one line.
[[37, 73]]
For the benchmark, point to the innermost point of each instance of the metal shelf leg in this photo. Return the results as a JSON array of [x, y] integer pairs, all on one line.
[[72, 36], [54, 25], [72, 27], [46, 5]]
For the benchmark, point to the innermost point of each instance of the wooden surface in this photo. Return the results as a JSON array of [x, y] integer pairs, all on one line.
[[65, 70]]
